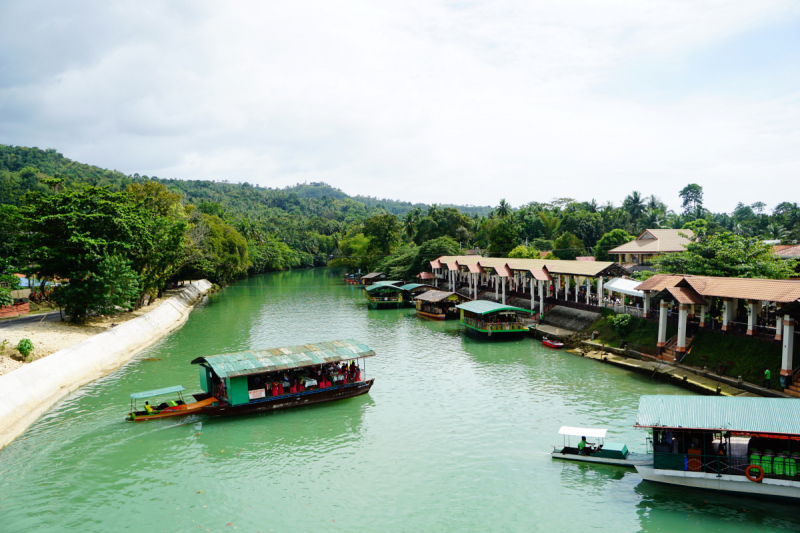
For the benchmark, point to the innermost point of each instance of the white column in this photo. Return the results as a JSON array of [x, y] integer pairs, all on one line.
[[566, 286], [703, 311], [778, 325], [752, 311], [496, 288], [683, 312], [588, 289], [646, 304], [600, 291], [788, 346], [726, 313], [577, 285], [532, 300], [662, 324], [504, 290], [541, 297]]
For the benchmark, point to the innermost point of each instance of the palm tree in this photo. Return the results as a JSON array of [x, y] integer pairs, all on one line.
[[409, 224], [551, 222], [503, 210], [634, 205], [776, 231]]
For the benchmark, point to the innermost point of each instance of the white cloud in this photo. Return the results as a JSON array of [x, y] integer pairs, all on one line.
[[435, 102]]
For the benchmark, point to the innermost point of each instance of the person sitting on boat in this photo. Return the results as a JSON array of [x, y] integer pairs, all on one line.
[[584, 448]]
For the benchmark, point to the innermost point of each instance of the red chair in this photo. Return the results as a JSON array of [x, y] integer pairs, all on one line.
[[293, 389], [274, 389], [301, 388], [280, 389]]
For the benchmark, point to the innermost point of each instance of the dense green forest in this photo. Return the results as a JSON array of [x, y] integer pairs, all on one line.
[[128, 235]]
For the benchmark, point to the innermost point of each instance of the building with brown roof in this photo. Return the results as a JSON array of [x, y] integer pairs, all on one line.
[[696, 295], [651, 243]]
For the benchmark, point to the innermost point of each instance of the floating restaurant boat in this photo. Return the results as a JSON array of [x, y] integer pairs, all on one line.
[[552, 344], [352, 279], [439, 305], [167, 408], [372, 277], [730, 444], [384, 295], [260, 381], [489, 318], [412, 290], [599, 451]]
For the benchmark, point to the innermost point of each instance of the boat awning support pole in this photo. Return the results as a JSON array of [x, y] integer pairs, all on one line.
[[788, 349]]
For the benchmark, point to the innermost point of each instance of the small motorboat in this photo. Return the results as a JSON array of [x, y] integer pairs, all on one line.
[[598, 451], [165, 409], [551, 343]]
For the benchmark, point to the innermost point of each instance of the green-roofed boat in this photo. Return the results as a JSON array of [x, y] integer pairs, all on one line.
[[750, 446], [490, 319], [385, 295], [412, 290], [261, 381]]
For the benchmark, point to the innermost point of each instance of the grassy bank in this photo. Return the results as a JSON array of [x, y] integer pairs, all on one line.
[[740, 356], [642, 332]]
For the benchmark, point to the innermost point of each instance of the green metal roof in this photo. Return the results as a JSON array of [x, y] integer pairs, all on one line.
[[409, 286], [483, 307], [275, 359], [156, 392], [382, 285], [385, 282], [757, 415]]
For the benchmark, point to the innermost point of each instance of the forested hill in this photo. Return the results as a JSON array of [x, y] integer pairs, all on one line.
[[237, 197]]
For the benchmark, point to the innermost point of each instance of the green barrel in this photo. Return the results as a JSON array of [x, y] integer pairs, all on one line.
[[791, 466], [766, 463], [755, 459], [778, 464]]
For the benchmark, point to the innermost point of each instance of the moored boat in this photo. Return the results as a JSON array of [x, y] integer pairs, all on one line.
[[412, 290], [729, 444], [597, 451], [439, 305], [384, 295], [552, 344], [490, 319], [260, 381], [167, 408], [372, 277]]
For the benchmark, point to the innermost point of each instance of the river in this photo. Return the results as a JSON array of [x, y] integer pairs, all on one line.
[[454, 436]]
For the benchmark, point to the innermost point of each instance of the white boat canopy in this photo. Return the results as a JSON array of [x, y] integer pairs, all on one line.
[[624, 286], [583, 432]]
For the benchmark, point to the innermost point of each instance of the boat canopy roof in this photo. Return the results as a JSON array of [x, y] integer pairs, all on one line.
[[596, 433], [276, 359], [625, 286], [386, 285], [434, 296], [156, 392], [483, 307], [719, 413], [412, 286]]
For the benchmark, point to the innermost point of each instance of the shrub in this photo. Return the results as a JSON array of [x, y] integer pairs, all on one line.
[[622, 324], [5, 297], [25, 347]]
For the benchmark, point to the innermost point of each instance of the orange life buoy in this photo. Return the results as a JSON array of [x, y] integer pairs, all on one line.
[[754, 479]]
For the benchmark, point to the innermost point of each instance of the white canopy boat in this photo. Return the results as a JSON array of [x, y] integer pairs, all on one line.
[[597, 451]]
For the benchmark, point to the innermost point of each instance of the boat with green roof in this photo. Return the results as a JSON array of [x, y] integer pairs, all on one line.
[[412, 290], [491, 319], [385, 295]]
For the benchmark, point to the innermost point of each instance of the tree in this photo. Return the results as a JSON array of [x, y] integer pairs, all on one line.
[[634, 204], [383, 232], [525, 252], [503, 238], [568, 246], [503, 210], [727, 255], [609, 241], [692, 196]]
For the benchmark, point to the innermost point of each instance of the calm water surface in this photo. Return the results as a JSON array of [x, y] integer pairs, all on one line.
[[454, 436]]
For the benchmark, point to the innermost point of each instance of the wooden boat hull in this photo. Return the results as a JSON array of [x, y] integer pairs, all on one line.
[[287, 401], [188, 409], [633, 460], [437, 316]]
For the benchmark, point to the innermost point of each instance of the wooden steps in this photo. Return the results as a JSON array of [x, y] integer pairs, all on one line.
[[793, 389]]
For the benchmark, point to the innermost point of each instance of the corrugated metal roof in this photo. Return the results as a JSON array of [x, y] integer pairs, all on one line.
[[474, 269], [372, 275], [156, 392], [385, 285], [434, 296], [483, 307], [275, 359], [756, 415], [409, 286]]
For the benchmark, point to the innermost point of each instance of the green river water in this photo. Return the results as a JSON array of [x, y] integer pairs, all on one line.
[[454, 436]]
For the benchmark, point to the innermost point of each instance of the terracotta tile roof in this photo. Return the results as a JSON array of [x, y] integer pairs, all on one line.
[[540, 274], [656, 241], [475, 269], [686, 295], [436, 264], [425, 275], [554, 266], [771, 290], [788, 252]]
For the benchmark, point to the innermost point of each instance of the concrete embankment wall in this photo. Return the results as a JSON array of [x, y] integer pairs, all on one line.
[[30, 391], [571, 319]]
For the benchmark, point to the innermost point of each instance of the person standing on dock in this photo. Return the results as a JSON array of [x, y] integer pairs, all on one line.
[[767, 377]]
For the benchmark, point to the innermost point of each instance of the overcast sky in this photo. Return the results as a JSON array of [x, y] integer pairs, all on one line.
[[448, 102]]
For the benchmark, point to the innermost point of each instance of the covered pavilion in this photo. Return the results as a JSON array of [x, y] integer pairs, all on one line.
[[696, 295]]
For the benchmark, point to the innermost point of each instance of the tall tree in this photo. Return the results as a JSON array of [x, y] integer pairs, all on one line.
[[692, 200], [383, 232], [503, 209]]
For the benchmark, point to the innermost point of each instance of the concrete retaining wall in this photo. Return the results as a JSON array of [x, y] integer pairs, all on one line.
[[30, 391]]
